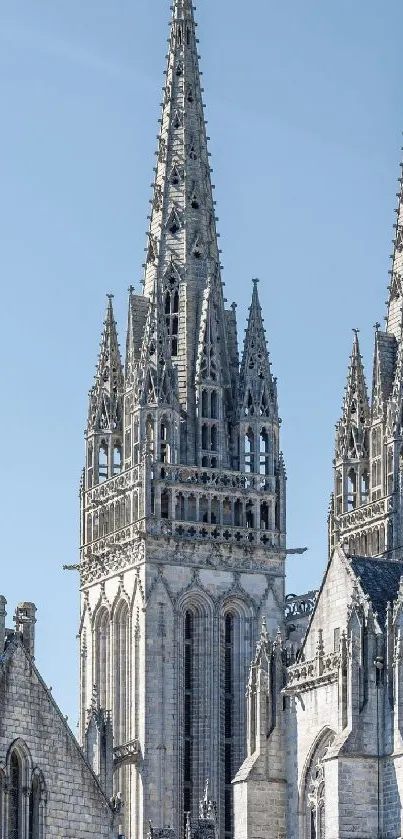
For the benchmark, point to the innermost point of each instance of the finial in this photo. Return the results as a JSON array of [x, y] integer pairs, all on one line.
[[131, 289], [377, 326], [110, 296], [255, 280], [356, 332]]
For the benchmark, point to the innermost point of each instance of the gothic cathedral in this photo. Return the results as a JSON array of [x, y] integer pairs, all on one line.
[[183, 515]]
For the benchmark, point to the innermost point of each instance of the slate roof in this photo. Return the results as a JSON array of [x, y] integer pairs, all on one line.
[[379, 579]]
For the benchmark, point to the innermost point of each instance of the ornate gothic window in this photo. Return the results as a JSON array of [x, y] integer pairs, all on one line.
[[315, 792], [103, 462], [171, 298], [102, 657], [15, 798], [117, 459], [228, 721], [352, 490], [165, 453], [188, 711], [249, 443], [121, 661], [264, 452], [36, 807]]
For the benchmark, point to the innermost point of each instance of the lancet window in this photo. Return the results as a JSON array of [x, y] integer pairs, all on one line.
[[103, 462], [36, 807], [165, 448], [228, 722], [376, 473], [249, 442], [117, 459], [188, 701], [121, 666], [15, 798], [264, 452], [352, 489], [102, 657], [171, 304]]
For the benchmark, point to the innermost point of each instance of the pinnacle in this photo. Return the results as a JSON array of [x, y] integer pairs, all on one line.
[[107, 391], [256, 381], [350, 434]]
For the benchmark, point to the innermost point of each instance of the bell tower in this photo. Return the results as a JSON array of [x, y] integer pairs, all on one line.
[[183, 503]]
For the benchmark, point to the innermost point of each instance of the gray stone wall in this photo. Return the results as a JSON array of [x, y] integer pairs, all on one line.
[[76, 807]]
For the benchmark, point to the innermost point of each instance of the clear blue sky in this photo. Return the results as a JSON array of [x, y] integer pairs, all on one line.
[[304, 102]]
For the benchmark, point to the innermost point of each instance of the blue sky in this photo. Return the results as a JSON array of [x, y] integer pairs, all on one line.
[[304, 103]]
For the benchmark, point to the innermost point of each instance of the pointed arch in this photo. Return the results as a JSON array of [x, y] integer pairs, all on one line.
[[311, 799], [37, 805], [19, 769], [102, 655], [121, 625]]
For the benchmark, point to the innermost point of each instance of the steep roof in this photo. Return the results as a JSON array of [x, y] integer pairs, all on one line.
[[379, 579]]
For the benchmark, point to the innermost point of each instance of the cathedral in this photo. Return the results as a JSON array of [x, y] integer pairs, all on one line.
[[212, 706]]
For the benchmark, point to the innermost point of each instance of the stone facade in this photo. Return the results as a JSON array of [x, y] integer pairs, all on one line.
[[47, 788], [337, 737]]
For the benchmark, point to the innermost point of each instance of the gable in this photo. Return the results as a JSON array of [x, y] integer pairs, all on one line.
[[29, 713]]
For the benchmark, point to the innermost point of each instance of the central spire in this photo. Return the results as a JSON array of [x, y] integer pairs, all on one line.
[[183, 263], [182, 237]]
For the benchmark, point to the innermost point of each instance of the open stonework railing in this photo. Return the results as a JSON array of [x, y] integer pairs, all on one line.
[[367, 513], [214, 533], [225, 480], [304, 675], [126, 754], [113, 487]]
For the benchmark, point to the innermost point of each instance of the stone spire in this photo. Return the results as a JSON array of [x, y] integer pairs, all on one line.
[[395, 303], [352, 430], [182, 251], [106, 396], [258, 390]]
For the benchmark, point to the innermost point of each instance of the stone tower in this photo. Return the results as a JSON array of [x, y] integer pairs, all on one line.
[[367, 505], [183, 497]]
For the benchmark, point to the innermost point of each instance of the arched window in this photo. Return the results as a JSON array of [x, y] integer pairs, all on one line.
[[188, 711], [36, 807], [364, 487], [117, 459], [352, 490], [339, 494], [214, 438], [172, 312], [264, 452], [103, 462], [264, 515], [250, 514], [214, 405], [102, 660], [135, 443], [228, 722], [238, 511], [315, 791], [164, 442], [205, 403], [381, 539], [164, 504], [249, 451], [121, 670], [89, 534], [150, 436], [15, 798]]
